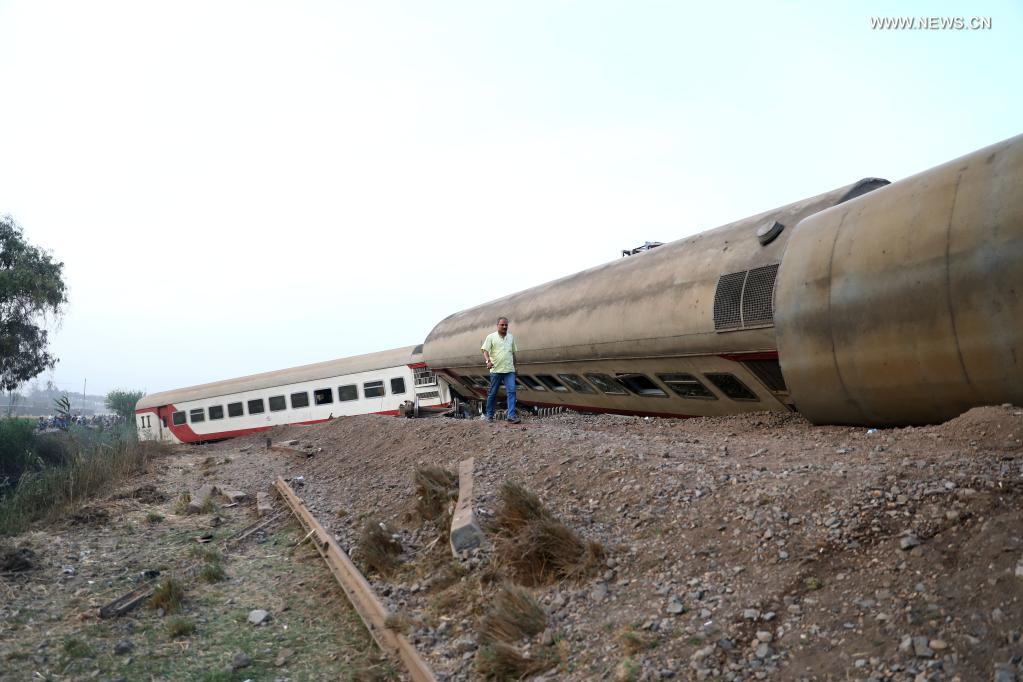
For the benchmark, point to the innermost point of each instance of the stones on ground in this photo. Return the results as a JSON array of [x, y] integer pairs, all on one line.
[[909, 542], [259, 616], [240, 660], [675, 607], [599, 592], [1004, 673], [282, 657], [122, 647], [232, 495]]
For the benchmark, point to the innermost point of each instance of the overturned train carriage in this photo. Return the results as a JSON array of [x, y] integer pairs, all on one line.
[[876, 303]]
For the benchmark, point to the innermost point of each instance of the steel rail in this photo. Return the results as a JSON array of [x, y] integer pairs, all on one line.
[[358, 590]]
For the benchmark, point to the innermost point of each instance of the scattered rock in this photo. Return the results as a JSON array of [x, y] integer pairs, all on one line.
[[259, 616]]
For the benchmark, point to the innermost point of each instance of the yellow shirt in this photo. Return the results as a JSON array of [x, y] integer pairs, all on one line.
[[500, 350]]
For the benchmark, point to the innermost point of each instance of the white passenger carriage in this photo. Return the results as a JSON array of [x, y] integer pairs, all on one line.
[[376, 383]]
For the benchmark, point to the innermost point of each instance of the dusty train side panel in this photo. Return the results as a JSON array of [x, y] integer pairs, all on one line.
[[904, 307], [653, 314]]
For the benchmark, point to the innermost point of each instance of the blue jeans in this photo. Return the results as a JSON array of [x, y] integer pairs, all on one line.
[[496, 379]]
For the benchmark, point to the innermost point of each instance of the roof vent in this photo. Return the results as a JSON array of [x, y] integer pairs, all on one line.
[[767, 232]]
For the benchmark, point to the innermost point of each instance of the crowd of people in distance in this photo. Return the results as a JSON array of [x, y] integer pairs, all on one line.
[[62, 423]]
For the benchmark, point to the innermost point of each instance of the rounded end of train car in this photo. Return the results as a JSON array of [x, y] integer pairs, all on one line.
[[903, 307]]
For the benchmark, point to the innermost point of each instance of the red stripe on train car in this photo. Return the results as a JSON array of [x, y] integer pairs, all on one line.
[[185, 434]]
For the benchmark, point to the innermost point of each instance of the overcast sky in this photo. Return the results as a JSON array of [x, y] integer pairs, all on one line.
[[237, 187]]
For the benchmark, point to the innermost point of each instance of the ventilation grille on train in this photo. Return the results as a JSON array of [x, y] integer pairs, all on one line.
[[745, 299]]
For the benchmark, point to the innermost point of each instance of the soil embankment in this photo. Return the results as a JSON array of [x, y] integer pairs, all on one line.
[[745, 547]]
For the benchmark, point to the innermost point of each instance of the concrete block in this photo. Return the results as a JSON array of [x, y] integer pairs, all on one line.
[[263, 505], [231, 494], [465, 532], [199, 499]]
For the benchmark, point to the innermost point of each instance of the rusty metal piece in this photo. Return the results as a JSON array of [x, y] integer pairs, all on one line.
[[358, 590], [128, 602]]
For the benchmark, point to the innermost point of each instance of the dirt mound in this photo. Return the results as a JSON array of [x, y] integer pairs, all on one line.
[[89, 516], [147, 494], [985, 427], [17, 559]]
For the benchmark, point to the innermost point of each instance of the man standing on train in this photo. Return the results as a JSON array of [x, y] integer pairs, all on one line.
[[499, 353]]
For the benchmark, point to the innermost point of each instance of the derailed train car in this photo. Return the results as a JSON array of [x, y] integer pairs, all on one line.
[[874, 304], [376, 383]]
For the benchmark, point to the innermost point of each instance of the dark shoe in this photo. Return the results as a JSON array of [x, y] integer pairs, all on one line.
[[516, 420]]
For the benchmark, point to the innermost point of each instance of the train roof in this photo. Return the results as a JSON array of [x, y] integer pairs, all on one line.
[[660, 301], [360, 363]]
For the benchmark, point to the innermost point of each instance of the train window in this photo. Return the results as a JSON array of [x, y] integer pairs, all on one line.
[[216, 412], [178, 418], [234, 410], [520, 384], [277, 403], [397, 385], [641, 384], [606, 384], [349, 392], [468, 381], [732, 387], [423, 376], [552, 383], [532, 383], [256, 406], [686, 386], [576, 383], [300, 399], [323, 396], [483, 381], [197, 415], [768, 371], [373, 389]]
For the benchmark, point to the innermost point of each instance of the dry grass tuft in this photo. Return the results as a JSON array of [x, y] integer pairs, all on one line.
[[514, 614], [536, 547], [212, 572], [633, 642], [168, 596], [435, 488], [501, 661], [181, 504], [380, 550], [519, 508], [180, 627]]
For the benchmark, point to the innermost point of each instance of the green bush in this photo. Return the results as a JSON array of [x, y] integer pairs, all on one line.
[[21, 449], [61, 471]]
